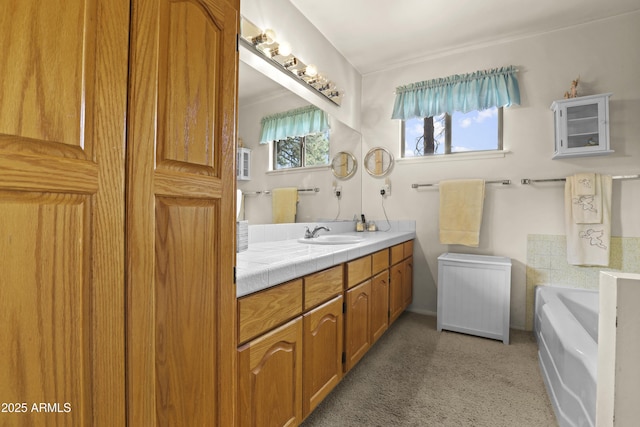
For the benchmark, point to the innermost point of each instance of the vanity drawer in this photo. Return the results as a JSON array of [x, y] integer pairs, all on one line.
[[380, 261], [397, 253], [358, 271], [407, 248], [321, 286], [262, 311]]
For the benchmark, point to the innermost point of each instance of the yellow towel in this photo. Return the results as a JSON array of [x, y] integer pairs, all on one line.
[[284, 201], [461, 203]]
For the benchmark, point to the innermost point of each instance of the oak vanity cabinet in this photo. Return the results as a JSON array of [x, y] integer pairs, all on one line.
[[367, 304], [290, 356], [379, 294], [401, 281], [323, 336], [357, 311], [270, 357]]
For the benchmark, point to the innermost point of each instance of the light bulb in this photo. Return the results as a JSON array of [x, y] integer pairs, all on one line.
[[284, 49], [311, 70], [270, 34]]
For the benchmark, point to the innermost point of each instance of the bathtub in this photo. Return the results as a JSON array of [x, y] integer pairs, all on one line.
[[566, 328]]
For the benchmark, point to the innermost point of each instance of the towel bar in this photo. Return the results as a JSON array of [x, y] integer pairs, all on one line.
[[526, 181], [501, 181], [268, 192]]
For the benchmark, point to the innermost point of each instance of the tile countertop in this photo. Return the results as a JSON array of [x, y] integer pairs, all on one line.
[[267, 264]]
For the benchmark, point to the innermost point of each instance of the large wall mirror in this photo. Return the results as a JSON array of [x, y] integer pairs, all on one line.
[[260, 96]]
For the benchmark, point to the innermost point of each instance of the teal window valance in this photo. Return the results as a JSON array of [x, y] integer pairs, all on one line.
[[299, 122], [461, 92]]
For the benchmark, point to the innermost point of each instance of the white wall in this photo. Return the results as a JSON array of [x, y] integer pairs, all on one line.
[[606, 57]]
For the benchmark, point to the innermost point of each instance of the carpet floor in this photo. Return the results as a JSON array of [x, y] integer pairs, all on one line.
[[417, 376]]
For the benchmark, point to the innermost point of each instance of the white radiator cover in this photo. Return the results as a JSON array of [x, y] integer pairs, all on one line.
[[474, 294]]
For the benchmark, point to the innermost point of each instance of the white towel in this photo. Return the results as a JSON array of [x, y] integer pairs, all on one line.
[[588, 244], [584, 184], [239, 204], [586, 198]]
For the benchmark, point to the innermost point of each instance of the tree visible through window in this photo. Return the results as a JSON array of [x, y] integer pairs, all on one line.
[[301, 151], [456, 133]]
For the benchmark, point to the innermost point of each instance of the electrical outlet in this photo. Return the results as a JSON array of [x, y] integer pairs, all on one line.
[[385, 190]]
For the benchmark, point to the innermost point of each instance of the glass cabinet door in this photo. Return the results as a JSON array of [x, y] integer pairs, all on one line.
[[243, 164], [582, 126]]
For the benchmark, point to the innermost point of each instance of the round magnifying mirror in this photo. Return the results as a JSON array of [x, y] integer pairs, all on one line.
[[343, 165], [378, 161]]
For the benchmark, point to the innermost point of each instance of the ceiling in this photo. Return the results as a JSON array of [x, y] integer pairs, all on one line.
[[379, 34]]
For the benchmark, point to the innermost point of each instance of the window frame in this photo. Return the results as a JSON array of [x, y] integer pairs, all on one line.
[[303, 154], [448, 135]]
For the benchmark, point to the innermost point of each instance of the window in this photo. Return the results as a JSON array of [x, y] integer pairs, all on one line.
[[452, 133], [301, 151]]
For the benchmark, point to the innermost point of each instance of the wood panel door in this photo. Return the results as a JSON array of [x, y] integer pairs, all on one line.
[[270, 378], [396, 299], [322, 356], [379, 305], [181, 330], [63, 86], [357, 323], [407, 282]]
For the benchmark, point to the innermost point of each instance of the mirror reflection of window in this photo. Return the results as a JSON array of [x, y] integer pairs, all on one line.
[[301, 151]]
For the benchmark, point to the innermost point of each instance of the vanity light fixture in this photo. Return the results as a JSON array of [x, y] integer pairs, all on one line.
[[283, 49], [278, 52], [268, 37], [289, 63]]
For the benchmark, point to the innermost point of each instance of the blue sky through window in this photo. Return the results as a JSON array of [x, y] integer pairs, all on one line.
[[473, 131]]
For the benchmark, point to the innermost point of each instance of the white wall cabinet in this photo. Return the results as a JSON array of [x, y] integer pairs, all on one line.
[[243, 164], [582, 126]]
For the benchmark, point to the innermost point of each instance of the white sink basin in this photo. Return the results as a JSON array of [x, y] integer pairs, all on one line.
[[332, 239]]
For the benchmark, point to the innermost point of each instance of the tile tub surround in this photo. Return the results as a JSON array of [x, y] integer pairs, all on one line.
[[547, 264], [275, 256]]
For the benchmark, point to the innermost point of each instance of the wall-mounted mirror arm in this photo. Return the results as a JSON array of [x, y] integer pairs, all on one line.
[[378, 162], [344, 165]]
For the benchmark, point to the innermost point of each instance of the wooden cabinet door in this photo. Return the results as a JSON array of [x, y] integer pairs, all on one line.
[[181, 325], [358, 323], [322, 357], [270, 378], [396, 299], [63, 89], [407, 282], [379, 305]]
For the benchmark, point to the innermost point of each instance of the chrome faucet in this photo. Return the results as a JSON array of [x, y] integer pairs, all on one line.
[[312, 234]]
